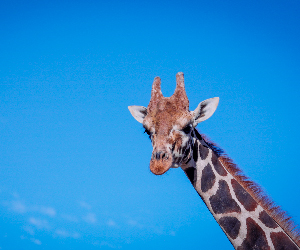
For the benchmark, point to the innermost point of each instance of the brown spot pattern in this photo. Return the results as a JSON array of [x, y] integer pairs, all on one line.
[[217, 165], [191, 174], [282, 242], [203, 151], [243, 196], [222, 201], [231, 225], [267, 220], [208, 178], [255, 238]]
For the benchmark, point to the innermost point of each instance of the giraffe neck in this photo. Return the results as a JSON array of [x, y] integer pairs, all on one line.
[[243, 219]]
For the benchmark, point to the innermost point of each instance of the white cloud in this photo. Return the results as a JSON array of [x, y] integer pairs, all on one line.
[[106, 244], [111, 223], [36, 241], [17, 206], [85, 205], [39, 223], [90, 218], [62, 233], [20, 207], [66, 234], [134, 223], [172, 233], [48, 211], [29, 230]]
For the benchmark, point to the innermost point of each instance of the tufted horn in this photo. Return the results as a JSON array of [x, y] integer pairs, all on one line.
[[156, 94], [180, 94]]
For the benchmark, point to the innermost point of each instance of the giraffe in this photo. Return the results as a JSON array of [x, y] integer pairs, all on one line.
[[249, 218]]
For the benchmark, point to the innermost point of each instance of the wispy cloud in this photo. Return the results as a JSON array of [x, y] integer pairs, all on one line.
[[85, 205], [106, 244], [29, 229], [172, 233], [39, 223], [33, 240], [40, 219], [18, 206], [66, 234], [111, 223], [90, 218], [36, 241], [134, 223], [47, 211]]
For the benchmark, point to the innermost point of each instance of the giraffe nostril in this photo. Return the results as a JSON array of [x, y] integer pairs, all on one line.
[[160, 155], [157, 155]]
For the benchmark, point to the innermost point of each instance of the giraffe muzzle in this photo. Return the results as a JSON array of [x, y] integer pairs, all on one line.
[[160, 162]]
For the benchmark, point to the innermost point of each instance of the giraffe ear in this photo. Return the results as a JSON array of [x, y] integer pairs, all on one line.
[[138, 112], [205, 110]]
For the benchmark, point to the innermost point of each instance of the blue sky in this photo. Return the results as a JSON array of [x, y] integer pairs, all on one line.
[[75, 164]]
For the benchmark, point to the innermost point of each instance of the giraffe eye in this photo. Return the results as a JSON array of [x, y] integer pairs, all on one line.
[[187, 129]]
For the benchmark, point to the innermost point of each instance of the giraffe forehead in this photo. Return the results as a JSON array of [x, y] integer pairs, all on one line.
[[167, 115]]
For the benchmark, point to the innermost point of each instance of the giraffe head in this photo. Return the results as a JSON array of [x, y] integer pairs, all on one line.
[[169, 124]]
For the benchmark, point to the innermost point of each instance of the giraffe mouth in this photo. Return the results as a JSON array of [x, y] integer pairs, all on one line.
[[160, 162]]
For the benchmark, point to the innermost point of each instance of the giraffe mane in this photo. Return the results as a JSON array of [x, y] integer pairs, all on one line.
[[257, 193]]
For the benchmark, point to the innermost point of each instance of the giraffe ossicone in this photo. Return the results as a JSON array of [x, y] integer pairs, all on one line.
[[248, 218]]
